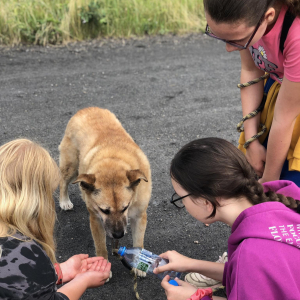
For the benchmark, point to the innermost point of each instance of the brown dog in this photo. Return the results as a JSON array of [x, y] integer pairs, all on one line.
[[113, 172]]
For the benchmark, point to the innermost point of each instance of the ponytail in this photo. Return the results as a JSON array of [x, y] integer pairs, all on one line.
[[256, 195], [293, 5]]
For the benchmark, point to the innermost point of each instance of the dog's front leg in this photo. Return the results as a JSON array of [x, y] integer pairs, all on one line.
[[138, 228], [99, 235]]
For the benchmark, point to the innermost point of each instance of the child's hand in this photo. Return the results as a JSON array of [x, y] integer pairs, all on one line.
[[177, 262], [182, 292], [96, 275], [76, 264]]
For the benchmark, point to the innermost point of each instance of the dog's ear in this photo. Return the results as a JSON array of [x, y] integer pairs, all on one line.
[[135, 176], [86, 181]]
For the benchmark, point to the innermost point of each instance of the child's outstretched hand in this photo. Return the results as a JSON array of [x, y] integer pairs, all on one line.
[[96, 275], [177, 262], [77, 264], [182, 292]]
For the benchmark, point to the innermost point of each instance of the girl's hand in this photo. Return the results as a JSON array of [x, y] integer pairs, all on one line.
[[96, 275], [77, 264], [256, 156], [182, 292], [177, 262]]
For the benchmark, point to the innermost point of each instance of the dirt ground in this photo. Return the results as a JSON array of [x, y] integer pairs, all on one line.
[[166, 91]]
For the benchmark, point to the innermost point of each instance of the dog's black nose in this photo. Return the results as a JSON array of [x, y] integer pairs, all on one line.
[[118, 234]]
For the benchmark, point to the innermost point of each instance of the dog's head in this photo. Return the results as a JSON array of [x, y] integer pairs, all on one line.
[[109, 195]]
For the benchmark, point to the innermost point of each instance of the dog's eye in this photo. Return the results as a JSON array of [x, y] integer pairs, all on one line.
[[96, 192], [105, 211], [124, 209]]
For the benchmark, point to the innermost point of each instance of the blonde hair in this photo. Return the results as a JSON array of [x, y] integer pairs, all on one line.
[[28, 178]]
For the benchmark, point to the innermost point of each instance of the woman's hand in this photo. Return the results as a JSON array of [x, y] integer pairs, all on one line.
[[177, 262], [182, 292], [256, 156], [96, 275], [77, 264]]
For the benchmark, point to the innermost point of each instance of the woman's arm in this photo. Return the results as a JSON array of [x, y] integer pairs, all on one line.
[[287, 109], [251, 98]]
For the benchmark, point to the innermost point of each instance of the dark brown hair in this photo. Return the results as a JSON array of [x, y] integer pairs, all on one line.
[[231, 11], [212, 167]]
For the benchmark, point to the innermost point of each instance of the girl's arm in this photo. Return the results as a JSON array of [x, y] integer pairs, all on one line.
[[287, 109], [251, 98], [181, 263], [185, 291], [73, 289], [207, 268]]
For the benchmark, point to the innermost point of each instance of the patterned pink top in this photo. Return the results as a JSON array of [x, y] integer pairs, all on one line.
[[268, 57]]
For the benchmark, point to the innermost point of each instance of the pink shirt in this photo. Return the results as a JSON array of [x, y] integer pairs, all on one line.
[[268, 57]]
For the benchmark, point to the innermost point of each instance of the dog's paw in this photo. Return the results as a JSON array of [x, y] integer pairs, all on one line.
[[138, 272], [110, 276], [66, 205]]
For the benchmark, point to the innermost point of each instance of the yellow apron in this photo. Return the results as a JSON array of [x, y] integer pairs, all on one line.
[[266, 118]]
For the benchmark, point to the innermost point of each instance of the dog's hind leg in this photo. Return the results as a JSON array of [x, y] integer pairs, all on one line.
[[68, 164]]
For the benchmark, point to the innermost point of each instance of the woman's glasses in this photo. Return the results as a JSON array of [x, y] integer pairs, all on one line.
[[209, 33], [177, 201]]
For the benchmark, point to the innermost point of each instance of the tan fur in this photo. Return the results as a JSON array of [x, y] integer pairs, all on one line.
[[112, 172]]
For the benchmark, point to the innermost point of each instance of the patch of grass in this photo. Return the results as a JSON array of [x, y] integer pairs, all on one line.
[[58, 21]]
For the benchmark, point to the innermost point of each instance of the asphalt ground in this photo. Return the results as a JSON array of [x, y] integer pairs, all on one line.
[[166, 91]]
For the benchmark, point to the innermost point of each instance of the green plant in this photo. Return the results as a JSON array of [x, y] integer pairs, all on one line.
[[58, 21], [93, 13]]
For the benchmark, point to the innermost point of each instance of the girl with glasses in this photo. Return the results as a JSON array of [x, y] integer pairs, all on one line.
[[263, 249], [266, 34], [29, 270]]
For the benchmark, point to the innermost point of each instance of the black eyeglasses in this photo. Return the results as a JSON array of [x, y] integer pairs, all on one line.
[[177, 201], [209, 33]]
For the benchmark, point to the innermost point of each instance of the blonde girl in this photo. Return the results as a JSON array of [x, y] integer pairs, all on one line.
[[28, 179]]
